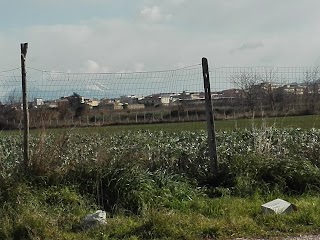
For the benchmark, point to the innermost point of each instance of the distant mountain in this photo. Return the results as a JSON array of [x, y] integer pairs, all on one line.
[[15, 94]]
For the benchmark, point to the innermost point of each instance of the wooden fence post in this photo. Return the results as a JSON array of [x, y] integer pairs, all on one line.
[[24, 48], [210, 119]]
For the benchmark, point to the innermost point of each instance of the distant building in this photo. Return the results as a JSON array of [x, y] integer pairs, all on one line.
[[130, 99], [110, 105], [135, 106], [38, 102], [92, 103], [51, 104], [216, 95], [191, 98], [63, 102], [232, 93], [294, 89], [156, 100]]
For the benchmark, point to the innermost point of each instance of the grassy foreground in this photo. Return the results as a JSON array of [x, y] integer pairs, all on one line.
[[157, 185], [55, 213]]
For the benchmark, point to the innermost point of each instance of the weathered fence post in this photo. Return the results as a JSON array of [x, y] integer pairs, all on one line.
[[24, 48], [210, 119]]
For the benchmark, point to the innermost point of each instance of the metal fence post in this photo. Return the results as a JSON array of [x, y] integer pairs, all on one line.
[[210, 119]]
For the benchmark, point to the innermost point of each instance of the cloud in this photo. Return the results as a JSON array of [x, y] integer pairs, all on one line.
[[154, 14], [168, 33], [248, 46], [107, 46], [92, 66]]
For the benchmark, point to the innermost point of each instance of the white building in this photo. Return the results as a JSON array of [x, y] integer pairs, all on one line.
[[38, 102]]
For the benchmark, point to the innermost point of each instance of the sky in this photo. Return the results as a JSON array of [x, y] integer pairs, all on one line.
[[151, 35]]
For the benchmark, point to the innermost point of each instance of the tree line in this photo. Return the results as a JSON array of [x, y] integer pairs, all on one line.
[[261, 92]]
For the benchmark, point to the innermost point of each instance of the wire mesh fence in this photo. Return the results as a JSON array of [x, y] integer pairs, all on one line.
[[58, 99], [266, 91]]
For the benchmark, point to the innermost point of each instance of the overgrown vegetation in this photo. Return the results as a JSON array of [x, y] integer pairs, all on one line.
[[157, 185]]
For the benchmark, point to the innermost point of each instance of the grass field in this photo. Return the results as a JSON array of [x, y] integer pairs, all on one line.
[[158, 185], [303, 122]]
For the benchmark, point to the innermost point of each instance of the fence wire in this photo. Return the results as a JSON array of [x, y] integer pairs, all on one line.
[[79, 99], [266, 91]]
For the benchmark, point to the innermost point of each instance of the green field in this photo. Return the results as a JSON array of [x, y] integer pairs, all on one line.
[[158, 184], [303, 122]]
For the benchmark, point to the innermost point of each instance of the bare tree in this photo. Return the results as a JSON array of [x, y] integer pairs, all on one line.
[[77, 105], [269, 80], [248, 82], [312, 81], [14, 98]]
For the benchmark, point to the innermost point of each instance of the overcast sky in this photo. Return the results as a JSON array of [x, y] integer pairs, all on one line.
[[145, 35]]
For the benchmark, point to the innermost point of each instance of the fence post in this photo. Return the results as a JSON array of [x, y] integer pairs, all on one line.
[[210, 119], [24, 48]]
